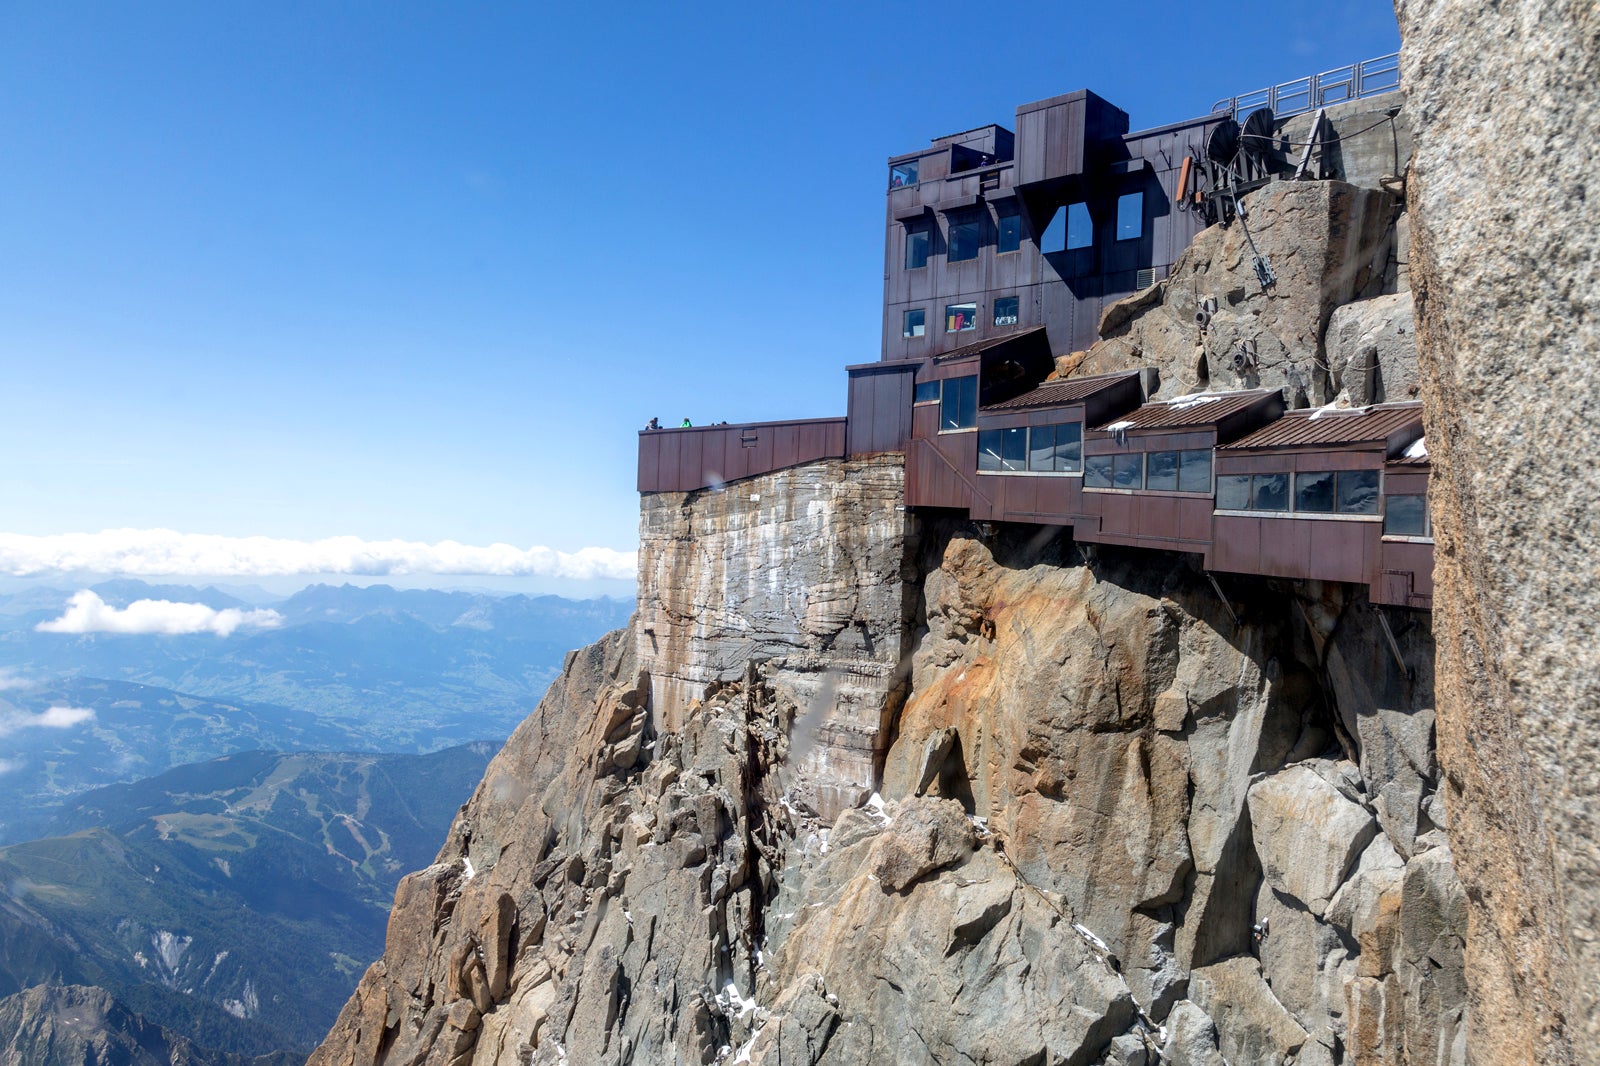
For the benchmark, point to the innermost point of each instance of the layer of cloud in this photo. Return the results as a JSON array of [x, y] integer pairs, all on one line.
[[165, 553], [58, 716], [88, 613], [11, 680]]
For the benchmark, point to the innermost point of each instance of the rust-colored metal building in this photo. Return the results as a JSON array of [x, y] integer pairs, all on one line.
[[1001, 251]]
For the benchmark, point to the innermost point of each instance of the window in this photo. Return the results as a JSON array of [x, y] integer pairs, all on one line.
[[960, 317], [1054, 237], [1194, 471], [1269, 492], [1130, 216], [1080, 227], [1406, 516], [1314, 492], [1097, 472], [1009, 238], [903, 174], [1069, 446], [1161, 472], [917, 244], [1005, 310], [958, 406], [913, 323], [1233, 492], [1042, 448], [1358, 492], [927, 392], [1127, 471], [963, 241], [1003, 449]]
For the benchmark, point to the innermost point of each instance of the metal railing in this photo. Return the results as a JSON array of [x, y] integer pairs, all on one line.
[[1367, 78]]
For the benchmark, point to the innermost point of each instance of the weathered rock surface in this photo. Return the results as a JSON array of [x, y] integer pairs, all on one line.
[[1329, 242], [800, 571], [1506, 273], [1371, 348]]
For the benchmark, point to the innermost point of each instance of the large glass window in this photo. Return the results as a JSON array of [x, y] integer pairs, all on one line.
[[1358, 492], [1054, 237], [958, 406], [1406, 516], [927, 392], [917, 243], [914, 323], [1069, 446], [1194, 471], [963, 241], [1313, 491], [1042, 448], [1097, 472], [1161, 472], [1127, 471], [902, 174], [1233, 492], [1080, 227], [1269, 492], [1009, 236], [1005, 310], [1130, 216], [960, 317]]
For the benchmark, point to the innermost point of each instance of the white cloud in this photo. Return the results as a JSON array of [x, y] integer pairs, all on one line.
[[163, 552], [88, 613], [58, 716], [10, 680], [8, 765]]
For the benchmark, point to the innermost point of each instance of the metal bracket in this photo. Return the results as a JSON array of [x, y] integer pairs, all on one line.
[[1223, 597]]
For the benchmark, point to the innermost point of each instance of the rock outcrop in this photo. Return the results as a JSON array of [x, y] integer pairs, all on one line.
[[1506, 273], [1113, 819]]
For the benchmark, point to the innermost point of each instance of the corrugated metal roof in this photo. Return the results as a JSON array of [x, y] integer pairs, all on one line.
[[1062, 391], [1195, 409], [1324, 427], [983, 346]]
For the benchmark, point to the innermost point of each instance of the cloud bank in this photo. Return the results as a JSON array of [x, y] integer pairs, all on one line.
[[88, 613], [57, 717], [163, 552]]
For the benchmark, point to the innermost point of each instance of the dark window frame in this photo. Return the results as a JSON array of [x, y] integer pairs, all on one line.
[[1015, 303], [1087, 233], [1008, 230], [910, 168], [906, 324], [956, 239], [958, 404], [1421, 498], [918, 392], [1138, 234], [961, 308], [913, 232]]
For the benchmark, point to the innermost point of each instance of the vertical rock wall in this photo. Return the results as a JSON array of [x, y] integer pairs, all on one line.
[[798, 571], [1506, 274]]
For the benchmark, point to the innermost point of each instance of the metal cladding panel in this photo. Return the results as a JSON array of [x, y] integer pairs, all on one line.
[[1236, 543], [1285, 548], [684, 460], [1157, 516], [1404, 482], [1192, 411], [1414, 560], [1341, 551], [1267, 462]]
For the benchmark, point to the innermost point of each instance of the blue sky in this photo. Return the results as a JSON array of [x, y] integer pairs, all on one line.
[[419, 272]]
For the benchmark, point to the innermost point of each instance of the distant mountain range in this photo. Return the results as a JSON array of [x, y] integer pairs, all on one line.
[[234, 902], [348, 668]]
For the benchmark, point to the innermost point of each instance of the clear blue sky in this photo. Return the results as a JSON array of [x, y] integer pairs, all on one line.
[[420, 271]]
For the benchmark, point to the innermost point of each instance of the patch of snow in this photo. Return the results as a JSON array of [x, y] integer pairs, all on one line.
[[1417, 449], [1179, 403], [1117, 427], [469, 871], [628, 915], [138, 957], [980, 824], [1335, 409], [170, 948], [1099, 944], [875, 805], [730, 998]]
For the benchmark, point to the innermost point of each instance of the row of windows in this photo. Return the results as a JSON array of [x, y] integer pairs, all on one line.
[[1070, 228], [1041, 449], [957, 397], [1185, 471], [1319, 492], [958, 318]]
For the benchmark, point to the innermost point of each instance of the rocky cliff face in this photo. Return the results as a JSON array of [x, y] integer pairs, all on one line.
[[1507, 279], [1120, 819]]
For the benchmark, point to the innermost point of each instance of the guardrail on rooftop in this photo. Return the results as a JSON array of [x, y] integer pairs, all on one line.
[[1367, 78]]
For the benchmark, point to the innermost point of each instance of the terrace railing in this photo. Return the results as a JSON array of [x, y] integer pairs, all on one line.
[[1367, 78]]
